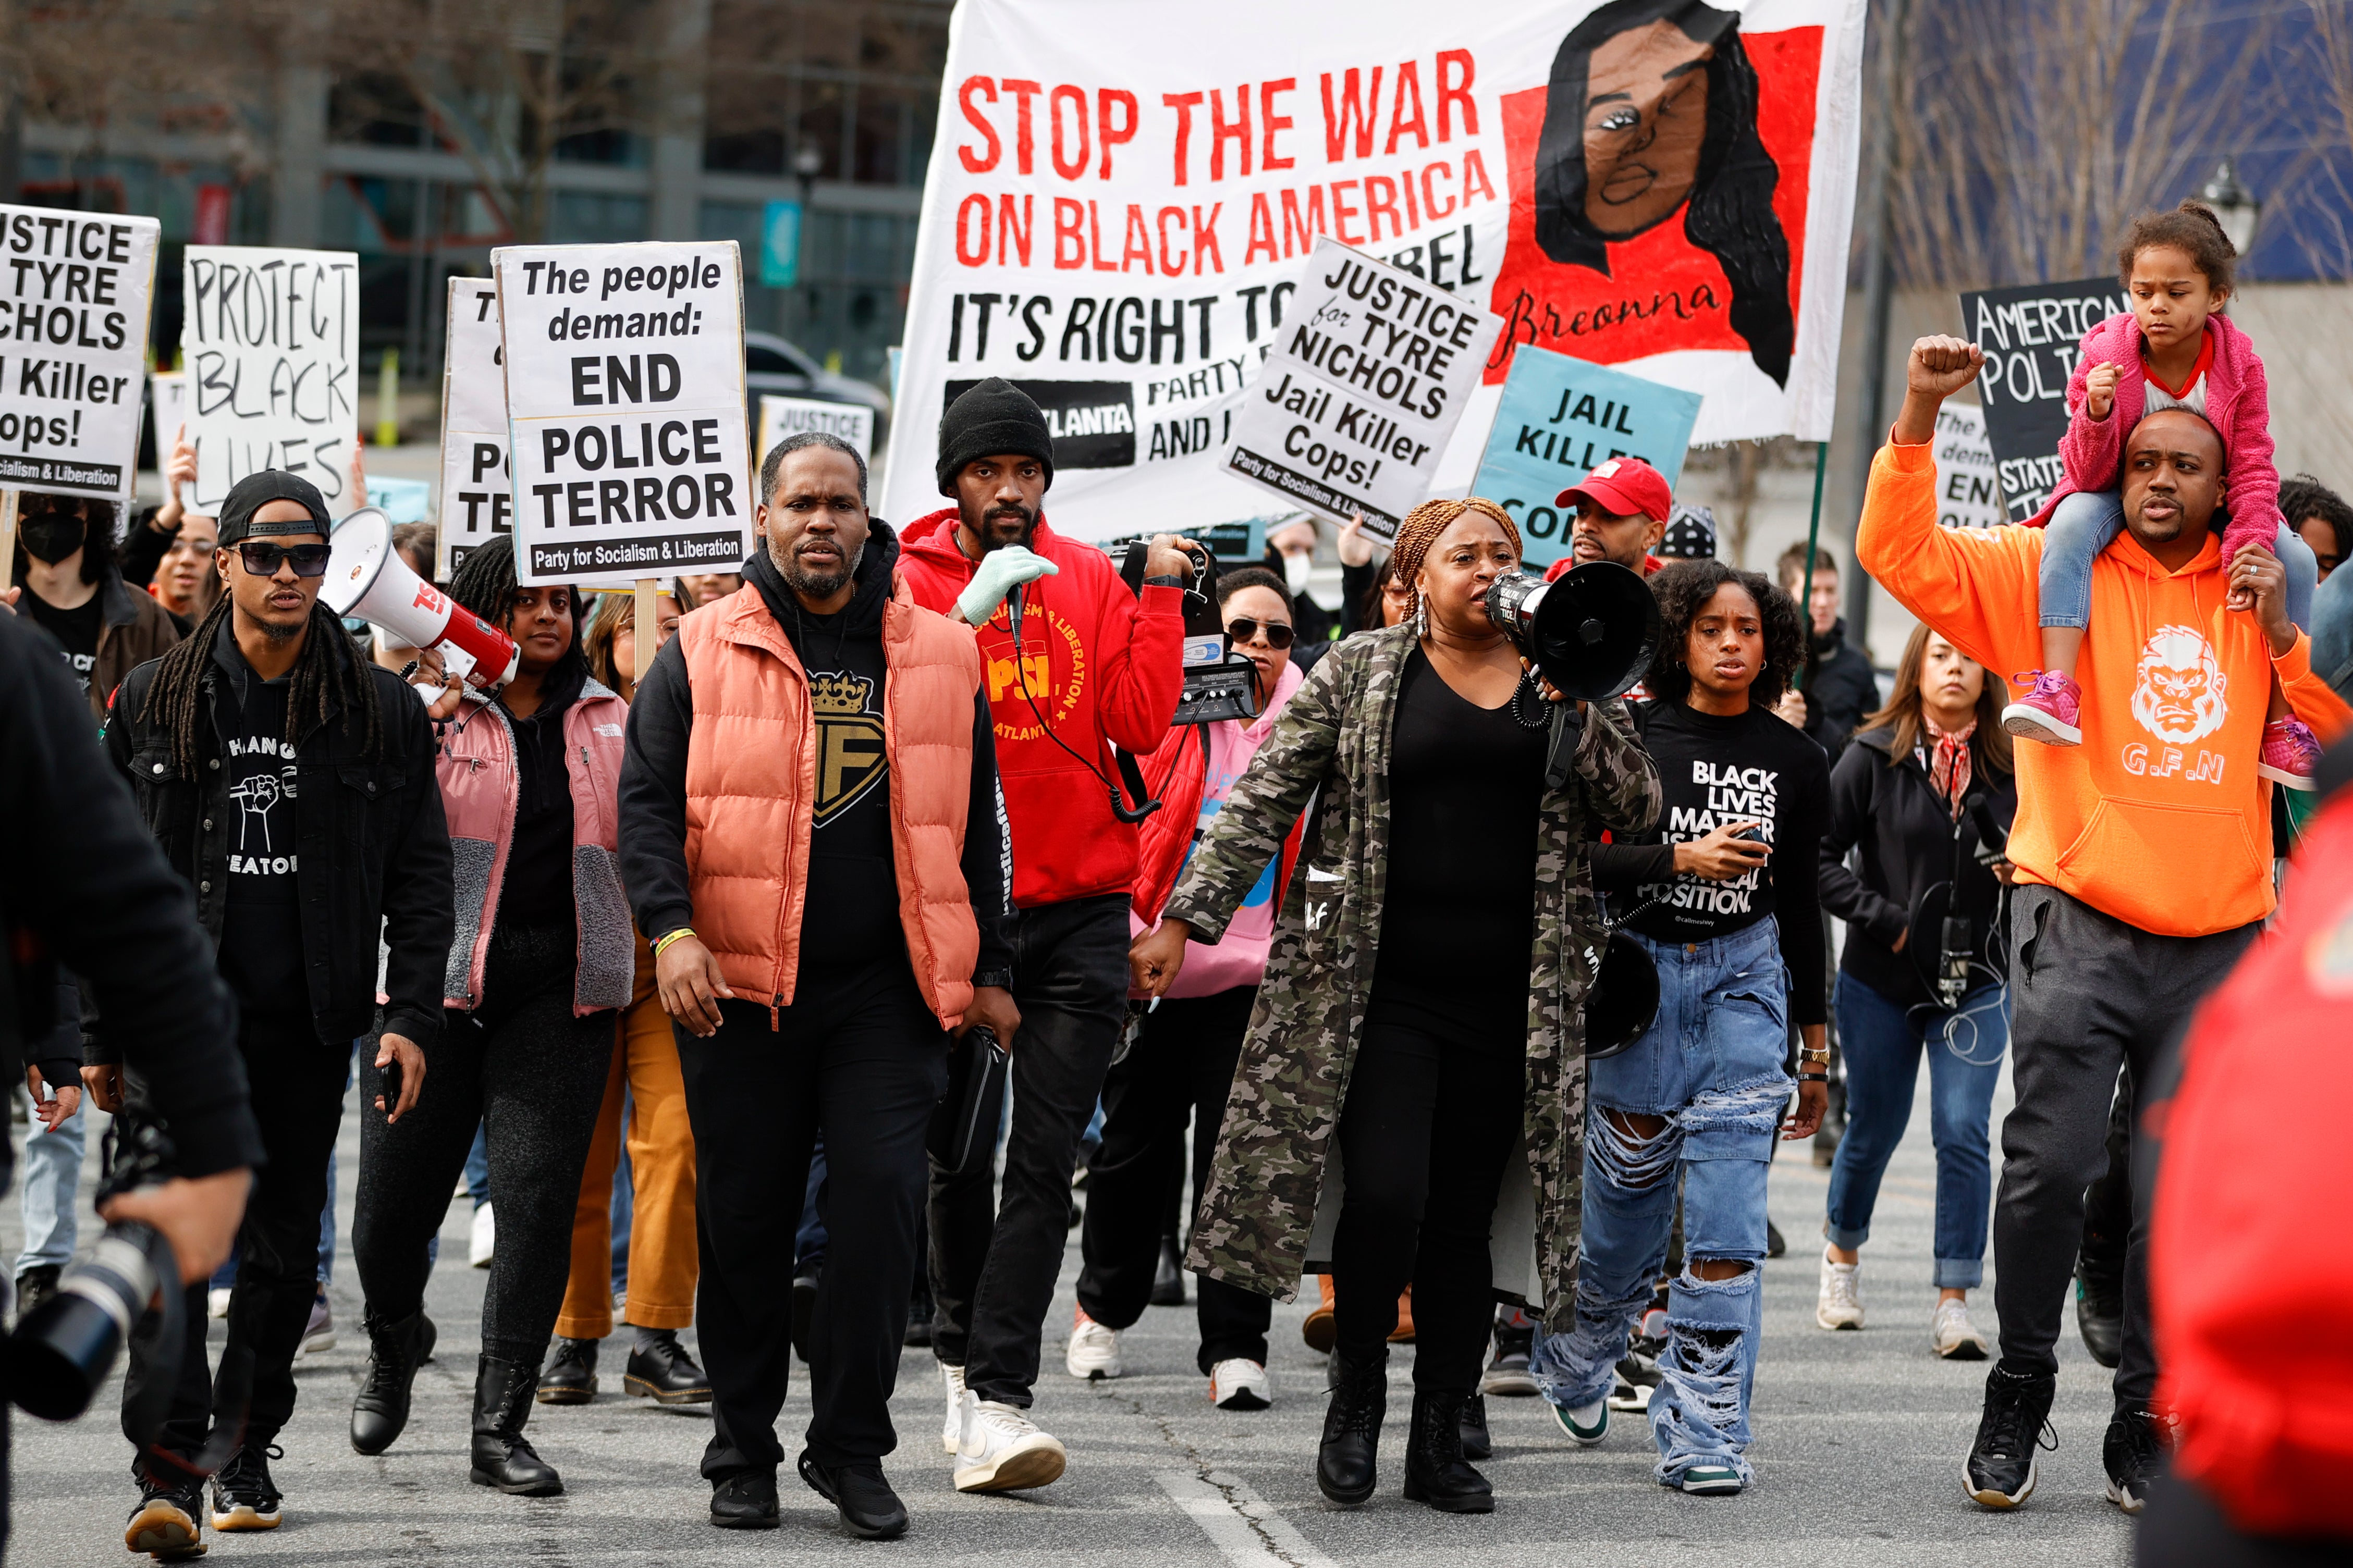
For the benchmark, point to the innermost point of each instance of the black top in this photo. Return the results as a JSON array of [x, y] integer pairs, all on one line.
[[261, 930], [1466, 784], [537, 888], [76, 630], [1840, 688], [1714, 769]]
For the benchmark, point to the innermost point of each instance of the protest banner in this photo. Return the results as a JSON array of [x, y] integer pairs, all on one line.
[[1356, 400], [783, 417], [1122, 202], [270, 344], [477, 490], [1560, 418], [1969, 488], [625, 410], [73, 347], [2030, 335]]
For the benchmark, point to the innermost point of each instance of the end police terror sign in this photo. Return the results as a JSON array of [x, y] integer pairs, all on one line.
[[625, 410], [74, 295]]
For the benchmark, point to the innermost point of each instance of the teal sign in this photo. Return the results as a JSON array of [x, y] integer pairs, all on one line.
[[1560, 418], [780, 245]]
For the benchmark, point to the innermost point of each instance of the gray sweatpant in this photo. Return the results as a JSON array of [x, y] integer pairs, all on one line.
[[2088, 995]]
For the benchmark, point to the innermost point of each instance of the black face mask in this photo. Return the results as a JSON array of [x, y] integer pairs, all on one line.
[[51, 536]]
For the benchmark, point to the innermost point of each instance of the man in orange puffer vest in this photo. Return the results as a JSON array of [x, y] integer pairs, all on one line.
[[813, 840]]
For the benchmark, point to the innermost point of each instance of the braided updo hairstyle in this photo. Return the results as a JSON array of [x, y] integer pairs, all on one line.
[[1421, 527]]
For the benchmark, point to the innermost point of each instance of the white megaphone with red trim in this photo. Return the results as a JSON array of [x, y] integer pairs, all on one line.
[[367, 578]]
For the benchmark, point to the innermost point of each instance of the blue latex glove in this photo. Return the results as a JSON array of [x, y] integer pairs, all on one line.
[[999, 573]]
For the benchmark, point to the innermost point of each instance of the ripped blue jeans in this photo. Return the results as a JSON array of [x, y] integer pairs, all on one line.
[[1712, 1067]]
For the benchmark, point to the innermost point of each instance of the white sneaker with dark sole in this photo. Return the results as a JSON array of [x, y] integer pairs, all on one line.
[[1586, 1425], [1953, 1335], [1003, 1452], [1240, 1385], [1094, 1351]]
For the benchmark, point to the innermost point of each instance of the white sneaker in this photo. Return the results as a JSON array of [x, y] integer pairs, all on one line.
[[1002, 1452], [1586, 1425], [1955, 1337], [1094, 1350], [1239, 1385], [952, 1434], [1838, 1305], [479, 1244], [216, 1301]]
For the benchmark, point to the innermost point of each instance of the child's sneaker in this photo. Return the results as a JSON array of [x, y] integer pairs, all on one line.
[[2290, 754], [2048, 714]]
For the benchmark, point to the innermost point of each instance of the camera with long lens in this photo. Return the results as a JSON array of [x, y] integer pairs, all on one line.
[[1591, 632]]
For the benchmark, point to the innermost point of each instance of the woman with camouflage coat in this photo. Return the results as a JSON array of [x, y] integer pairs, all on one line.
[[1421, 1017]]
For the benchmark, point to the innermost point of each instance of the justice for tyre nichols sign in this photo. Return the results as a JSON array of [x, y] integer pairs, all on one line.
[[625, 410]]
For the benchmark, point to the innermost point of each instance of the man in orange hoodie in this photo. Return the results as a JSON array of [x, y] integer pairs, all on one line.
[[2143, 856]]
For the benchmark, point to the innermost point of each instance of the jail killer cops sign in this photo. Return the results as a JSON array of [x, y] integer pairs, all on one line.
[[477, 490], [2031, 335], [1124, 201], [270, 341], [625, 410], [1363, 391], [75, 289]]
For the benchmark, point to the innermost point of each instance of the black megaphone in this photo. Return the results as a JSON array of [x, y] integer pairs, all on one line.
[[1591, 632]]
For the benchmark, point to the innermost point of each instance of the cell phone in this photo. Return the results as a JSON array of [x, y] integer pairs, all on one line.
[[1753, 833], [391, 1071]]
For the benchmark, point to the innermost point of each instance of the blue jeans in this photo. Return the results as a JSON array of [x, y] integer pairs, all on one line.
[[1884, 1040], [1711, 1065], [52, 1177], [2083, 523]]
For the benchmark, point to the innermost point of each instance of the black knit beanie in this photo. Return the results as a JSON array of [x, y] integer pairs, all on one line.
[[992, 417]]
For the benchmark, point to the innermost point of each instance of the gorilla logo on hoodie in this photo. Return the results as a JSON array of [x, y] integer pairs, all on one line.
[[2178, 696]]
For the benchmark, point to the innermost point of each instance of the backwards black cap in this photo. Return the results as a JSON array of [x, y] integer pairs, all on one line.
[[254, 491]]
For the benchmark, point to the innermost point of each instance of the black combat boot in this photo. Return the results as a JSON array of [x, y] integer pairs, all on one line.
[[1346, 1463], [1435, 1471], [503, 1456]]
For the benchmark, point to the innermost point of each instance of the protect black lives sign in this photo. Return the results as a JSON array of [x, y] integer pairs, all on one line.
[[625, 410], [75, 289], [2030, 335], [1351, 410], [270, 340], [477, 489]]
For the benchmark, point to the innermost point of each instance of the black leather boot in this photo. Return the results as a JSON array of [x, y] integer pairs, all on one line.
[[1346, 1463], [570, 1377], [1435, 1471], [380, 1409], [503, 1458]]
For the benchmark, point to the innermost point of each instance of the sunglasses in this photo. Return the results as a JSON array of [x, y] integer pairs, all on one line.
[[307, 560], [1278, 633]]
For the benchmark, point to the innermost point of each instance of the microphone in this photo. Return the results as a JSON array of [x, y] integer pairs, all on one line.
[[1013, 615]]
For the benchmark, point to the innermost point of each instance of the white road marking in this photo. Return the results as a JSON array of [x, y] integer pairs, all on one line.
[[1240, 1524]]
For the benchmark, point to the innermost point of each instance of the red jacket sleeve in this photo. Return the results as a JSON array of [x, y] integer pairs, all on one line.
[[1143, 653]]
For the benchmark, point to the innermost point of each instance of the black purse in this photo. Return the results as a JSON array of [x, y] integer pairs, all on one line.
[[1624, 1001], [963, 1124]]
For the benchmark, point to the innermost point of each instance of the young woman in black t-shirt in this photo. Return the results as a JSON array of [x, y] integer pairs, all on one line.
[[1722, 896]]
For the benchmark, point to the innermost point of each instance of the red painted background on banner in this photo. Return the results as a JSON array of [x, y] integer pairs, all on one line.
[[1576, 310]]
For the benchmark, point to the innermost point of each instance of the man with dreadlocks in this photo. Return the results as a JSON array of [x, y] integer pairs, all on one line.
[[290, 783]]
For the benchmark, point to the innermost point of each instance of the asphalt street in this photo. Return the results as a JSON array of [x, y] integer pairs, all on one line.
[[1860, 1443]]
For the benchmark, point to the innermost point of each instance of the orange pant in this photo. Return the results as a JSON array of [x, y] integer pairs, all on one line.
[[663, 1266]]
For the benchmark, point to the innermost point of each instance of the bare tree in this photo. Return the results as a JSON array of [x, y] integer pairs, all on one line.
[[2328, 50]]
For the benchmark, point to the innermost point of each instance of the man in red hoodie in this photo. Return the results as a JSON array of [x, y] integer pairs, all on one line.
[[1097, 667]]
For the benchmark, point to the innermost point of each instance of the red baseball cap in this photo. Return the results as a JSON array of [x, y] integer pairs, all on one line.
[[1622, 487]]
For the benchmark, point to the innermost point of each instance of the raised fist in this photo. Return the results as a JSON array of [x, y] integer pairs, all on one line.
[[1940, 366]]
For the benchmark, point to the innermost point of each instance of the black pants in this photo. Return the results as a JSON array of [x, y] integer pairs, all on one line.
[[2109, 1204], [994, 1260], [1424, 1135], [2088, 995], [1183, 1064], [531, 1074], [861, 1055], [297, 1084]]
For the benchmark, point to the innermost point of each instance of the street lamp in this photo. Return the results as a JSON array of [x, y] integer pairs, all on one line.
[[2233, 204]]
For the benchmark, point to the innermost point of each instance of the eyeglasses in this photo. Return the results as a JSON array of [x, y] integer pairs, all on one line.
[[202, 549], [1278, 633], [307, 560]]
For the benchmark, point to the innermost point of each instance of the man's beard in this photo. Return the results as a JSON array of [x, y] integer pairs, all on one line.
[[283, 631], [817, 584], [983, 528]]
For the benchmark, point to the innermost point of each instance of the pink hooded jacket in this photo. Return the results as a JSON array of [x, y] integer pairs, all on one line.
[[2238, 404]]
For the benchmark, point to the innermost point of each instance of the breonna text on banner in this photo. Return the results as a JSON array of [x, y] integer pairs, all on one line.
[[625, 410], [477, 490], [1969, 490], [1124, 201], [2031, 335], [1365, 385], [783, 417], [1560, 419], [73, 345], [270, 344]]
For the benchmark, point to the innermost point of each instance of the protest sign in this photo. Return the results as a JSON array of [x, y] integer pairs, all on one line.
[[1122, 205], [783, 417], [1560, 418], [74, 298], [625, 410], [477, 490], [271, 343], [170, 411], [2030, 335], [1969, 492], [1356, 400]]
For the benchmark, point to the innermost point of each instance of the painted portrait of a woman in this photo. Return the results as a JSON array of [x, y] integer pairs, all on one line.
[[1650, 111]]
